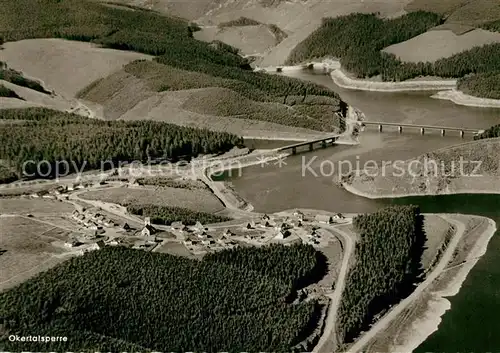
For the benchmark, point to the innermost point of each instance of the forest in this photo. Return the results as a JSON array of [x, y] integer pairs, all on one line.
[[491, 132], [387, 264], [168, 214], [17, 78], [8, 93], [486, 85], [52, 136], [119, 299], [357, 41]]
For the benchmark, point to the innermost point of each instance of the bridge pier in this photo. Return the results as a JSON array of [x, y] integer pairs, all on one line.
[[323, 144], [310, 147], [294, 150], [443, 132], [462, 133], [380, 127], [422, 131], [400, 129]]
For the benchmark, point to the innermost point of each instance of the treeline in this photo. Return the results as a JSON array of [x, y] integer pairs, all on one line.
[[492, 132], [169, 38], [486, 85], [172, 183], [357, 39], [8, 93], [37, 147], [240, 22], [119, 299], [166, 215], [387, 264], [17, 78]]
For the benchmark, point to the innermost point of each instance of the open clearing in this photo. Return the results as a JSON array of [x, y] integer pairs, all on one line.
[[466, 12], [436, 44], [26, 249], [62, 65], [34, 206], [200, 200]]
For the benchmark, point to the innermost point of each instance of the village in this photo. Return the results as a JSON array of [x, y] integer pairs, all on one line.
[[95, 228]]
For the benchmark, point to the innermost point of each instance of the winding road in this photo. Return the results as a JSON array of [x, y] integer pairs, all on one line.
[[328, 338], [398, 309]]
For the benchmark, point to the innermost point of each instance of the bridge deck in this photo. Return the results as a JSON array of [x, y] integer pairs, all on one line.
[[421, 126], [305, 143]]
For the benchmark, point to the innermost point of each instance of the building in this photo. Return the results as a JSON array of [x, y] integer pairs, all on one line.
[[299, 215], [338, 216], [178, 226], [125, 226], [148, 231], [96, 246], [266, 217], [321, 218], [282, 234], [198, 227]]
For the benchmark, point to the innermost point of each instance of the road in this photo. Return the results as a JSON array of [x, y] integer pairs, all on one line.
[[329, 334], [398, 309]]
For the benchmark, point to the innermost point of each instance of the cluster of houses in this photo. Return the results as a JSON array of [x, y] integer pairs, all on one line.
[[94, 222], [197, 238]]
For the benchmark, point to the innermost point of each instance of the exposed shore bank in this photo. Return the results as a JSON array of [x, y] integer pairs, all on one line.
[[437, 304], [340, 78], [460, 98]]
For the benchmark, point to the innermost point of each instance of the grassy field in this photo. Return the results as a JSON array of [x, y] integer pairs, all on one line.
[[34, 206], [26, 248], [434, 45], [64, 66], [200, 200]]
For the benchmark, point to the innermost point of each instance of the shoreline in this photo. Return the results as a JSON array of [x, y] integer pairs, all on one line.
[[421, 328], [340, 78], [393, 195], [458, 97], [447, 88]]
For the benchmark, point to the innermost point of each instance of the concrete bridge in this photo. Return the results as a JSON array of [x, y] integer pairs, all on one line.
[[422, 128], [323, 142]]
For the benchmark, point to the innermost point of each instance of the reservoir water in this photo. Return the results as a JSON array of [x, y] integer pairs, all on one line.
[[307, 181]]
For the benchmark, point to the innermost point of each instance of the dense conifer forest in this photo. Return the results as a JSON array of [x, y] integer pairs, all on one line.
[[171, 40], [118, 299], [486, 85], [358, 39], [168, 214], [387, 264], [54, 136]]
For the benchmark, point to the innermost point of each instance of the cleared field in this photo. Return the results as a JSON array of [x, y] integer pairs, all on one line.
[[64, 66], [476, 12], [199, 200], [249, 39], [466, 12], [34, 206], [436, 44], [26, 249]]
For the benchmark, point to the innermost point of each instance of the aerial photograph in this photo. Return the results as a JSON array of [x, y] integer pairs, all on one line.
[[250, 176]]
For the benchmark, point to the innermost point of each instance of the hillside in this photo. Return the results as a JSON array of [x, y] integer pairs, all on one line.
[[181, 63], [343, 38], [68, 143], [109, 300], [438, 172]]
